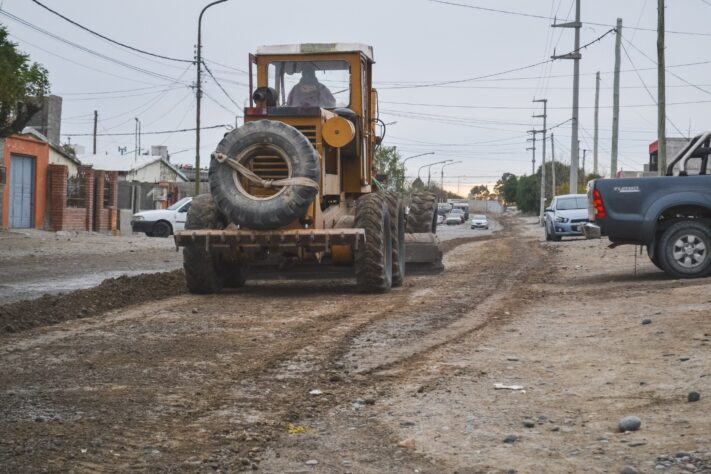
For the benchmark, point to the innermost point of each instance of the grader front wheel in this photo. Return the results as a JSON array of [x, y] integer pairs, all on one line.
[[374, 259]]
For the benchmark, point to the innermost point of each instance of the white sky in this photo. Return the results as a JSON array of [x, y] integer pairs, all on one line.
[[415, 42]]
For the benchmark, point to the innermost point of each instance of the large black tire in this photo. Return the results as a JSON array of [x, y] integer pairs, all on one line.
[[290, 202], [397, 234], [423, 213], [373, 260], [199, 265], [684, 249], [548, 234]]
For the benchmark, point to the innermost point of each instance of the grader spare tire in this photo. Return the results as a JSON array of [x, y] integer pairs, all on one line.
[[273, 151], [373, 260], [423, 213], [397, 234], [205, 272]]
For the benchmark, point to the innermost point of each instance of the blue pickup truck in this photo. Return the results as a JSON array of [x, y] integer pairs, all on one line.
[[669, 215]]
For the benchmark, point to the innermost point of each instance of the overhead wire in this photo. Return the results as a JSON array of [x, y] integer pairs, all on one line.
[[161, 132], [220, 86], [106, 38]]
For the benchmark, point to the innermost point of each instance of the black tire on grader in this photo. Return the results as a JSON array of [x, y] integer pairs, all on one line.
[[423, 214], [205, 272], [397, 234], [374, 259]]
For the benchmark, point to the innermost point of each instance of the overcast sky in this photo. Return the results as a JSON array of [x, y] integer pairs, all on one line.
[[481, 122]]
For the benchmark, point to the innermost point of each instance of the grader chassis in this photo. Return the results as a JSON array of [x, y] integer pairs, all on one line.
[[292, 191]]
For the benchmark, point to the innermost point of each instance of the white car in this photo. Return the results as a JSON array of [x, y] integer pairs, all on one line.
[[480, 221], [162, 222]]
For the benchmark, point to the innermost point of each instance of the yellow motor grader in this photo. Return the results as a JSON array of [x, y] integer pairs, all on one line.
[[292, 191]]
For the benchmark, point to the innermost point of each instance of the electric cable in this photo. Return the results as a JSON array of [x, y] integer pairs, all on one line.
[[106, 38], [161, 132]]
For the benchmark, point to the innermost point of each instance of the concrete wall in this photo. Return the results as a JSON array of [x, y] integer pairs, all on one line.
[[154, 173], [485, 207], [48, 120]]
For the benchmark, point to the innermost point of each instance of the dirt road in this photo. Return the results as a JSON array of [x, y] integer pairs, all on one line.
[[314, 377]]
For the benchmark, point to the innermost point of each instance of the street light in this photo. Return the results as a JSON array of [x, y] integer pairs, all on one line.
[[415, 156], [198, 96], [429, 166], [441, 177]]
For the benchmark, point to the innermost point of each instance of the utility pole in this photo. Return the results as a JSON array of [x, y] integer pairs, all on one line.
[[96, 121], [543, 158], [198, 95], [661, 94], [552, 165], [533, 159], [575, 56], [137, 139], [584, 151], [616, 101], [597, 115]]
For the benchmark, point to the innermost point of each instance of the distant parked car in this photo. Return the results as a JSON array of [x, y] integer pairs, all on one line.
[[453, 219], [162, 222], [458, 213], [566, 216], [479, 221]]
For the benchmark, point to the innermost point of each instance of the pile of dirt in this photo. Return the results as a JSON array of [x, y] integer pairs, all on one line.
[[113, 293]]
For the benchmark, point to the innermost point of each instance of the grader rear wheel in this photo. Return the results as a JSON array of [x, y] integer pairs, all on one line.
[[374, 259], [205, 272], [423, 214], [397, 234]]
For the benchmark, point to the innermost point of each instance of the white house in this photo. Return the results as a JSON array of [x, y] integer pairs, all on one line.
[[146, 169]]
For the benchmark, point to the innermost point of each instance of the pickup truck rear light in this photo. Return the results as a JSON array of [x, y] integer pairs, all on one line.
[[598, 205]]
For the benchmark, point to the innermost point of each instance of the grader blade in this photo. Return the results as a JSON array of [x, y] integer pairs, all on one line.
[[423, 254]]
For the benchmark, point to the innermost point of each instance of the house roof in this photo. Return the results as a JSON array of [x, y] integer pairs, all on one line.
[[66, 155], [125, 163]]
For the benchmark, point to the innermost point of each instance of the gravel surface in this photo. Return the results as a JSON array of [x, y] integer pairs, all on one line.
[[280, 374]]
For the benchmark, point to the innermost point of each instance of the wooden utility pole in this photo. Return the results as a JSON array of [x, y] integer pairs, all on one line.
[[575, 56], [597, 115], [616, 101], [543, 159], [552, 165], [661, 94], [96, 121]]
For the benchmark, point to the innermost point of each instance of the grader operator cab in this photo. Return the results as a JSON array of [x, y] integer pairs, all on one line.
[[292, 191]]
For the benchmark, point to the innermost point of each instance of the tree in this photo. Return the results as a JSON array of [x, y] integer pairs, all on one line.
[[506, 187], [527, 193], [23, 85], [388, 167], [480, 191]]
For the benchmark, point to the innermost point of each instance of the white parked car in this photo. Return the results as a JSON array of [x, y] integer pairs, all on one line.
[[162, 222], [479, 221]]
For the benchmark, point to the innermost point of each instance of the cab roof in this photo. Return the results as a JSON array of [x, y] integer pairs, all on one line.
[[317, 48]]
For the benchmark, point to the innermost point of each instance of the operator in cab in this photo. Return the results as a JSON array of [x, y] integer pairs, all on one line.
[[309, 92]]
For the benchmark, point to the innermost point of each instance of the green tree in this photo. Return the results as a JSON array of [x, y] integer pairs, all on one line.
[[23, 84], [480, 191], [389, 168], [528, 190], [506, 187]]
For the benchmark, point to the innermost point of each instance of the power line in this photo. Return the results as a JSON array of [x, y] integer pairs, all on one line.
[[543, 17], [83, 48], [143, 133], [486, 76], [649, 92], [106, 38], [220, 86]]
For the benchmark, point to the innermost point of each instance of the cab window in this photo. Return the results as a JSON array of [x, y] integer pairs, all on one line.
[[323, 84]]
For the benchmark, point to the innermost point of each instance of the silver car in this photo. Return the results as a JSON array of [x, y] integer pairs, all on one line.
[[566, 216], [479, 221]]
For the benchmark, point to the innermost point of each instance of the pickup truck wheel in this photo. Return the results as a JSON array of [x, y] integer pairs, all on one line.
[[684, 250], [548, 234], [162, 229]]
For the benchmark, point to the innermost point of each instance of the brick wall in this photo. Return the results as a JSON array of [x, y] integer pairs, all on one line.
[[70, 218]]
